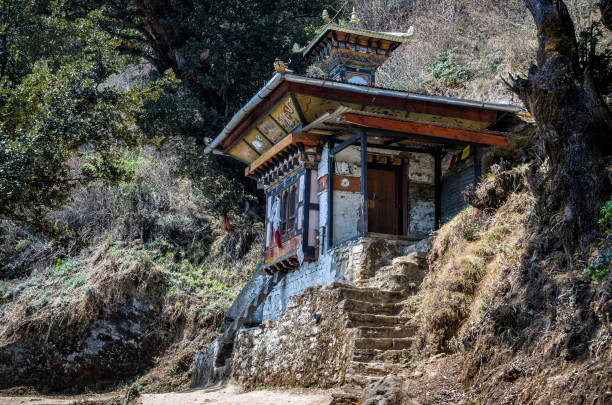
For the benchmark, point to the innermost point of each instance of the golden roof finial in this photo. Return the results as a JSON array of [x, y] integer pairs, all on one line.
[[325, 17], [281, 67], [354, 20]]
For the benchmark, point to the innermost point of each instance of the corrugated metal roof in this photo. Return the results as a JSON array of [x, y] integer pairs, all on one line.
[[278, 79]]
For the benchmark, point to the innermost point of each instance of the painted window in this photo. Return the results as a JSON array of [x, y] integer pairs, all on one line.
[[288, 210], [288, 194]]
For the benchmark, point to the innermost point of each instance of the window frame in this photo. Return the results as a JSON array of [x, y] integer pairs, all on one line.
[[289, 200]]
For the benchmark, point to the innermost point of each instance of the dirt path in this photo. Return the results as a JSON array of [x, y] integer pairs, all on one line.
[[59, 400], [233, 395], [229, 395]]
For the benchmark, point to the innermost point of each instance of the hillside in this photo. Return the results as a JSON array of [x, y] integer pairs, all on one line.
[[149, 289], [131, 275], [516, 324], [461, 48]]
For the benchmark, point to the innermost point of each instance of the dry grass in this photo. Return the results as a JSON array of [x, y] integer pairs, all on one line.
[[468, 260], [150, 239], [460, 48]]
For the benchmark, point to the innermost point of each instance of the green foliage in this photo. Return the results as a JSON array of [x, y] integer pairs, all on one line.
[[4, 289], [606, 217], [601, 266], [42, 300], [222, 184], [55, 108], [445, 68], [63, 270], [76, 282], [223, 52], [469, 230], [595, 53]]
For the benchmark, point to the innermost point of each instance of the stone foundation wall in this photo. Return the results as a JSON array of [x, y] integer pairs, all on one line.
[[347, 263], [308, 346], [296, 282]]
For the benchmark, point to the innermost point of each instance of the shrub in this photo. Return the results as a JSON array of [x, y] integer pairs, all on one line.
[[468, 232], [76, 282], [601, 266], [445, 68]]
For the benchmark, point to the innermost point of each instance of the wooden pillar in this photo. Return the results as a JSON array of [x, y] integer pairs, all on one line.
[[330, 196], [364, 183], [477, 164], [305, 211]]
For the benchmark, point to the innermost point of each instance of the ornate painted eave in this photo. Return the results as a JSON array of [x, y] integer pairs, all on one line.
[[290, 103], [394, 39]]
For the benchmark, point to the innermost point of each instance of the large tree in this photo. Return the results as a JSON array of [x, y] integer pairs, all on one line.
[[56, 108], [574, 128], [223, 52]]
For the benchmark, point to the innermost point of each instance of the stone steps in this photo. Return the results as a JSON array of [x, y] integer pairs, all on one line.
[[360, 380], [360, 319], [367, 307], [384, 343], [372, 368], [367, 294], [384, 339], [399, 331], [376, 355]]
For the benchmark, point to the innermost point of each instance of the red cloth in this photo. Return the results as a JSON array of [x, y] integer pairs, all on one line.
[[277, 238], [452, 162]]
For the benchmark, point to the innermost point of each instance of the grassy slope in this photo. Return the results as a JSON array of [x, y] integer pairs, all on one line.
[[151, 234], [460, 48], [519, 325]]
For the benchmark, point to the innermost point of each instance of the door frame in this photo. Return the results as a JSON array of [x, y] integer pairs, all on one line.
[[399, 173], [360, 138]]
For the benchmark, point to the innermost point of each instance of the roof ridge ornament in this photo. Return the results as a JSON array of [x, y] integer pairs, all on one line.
[[282, 67], [325, 17], [354, 19]]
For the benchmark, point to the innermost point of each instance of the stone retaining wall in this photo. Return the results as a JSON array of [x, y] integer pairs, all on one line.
[[309, 346], [350, 262]]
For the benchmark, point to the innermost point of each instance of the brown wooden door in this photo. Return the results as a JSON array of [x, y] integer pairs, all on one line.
[[383, 201]]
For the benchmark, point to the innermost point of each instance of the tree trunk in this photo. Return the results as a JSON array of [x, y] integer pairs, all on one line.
[[573, 134]]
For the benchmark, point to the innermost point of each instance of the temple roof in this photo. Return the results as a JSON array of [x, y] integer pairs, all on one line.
[[290, 103], [394, 39], [387, 132]]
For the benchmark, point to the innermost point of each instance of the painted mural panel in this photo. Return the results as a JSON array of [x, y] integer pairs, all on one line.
[[271, 130], [243, 152], [314, 107], [286, 114], [258, 141]]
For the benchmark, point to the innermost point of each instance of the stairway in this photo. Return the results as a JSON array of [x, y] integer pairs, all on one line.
[[214, 365], [384, 338]]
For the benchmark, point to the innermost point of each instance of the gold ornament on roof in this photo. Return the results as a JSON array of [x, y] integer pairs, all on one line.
[[354, 19], [280, 66], [325, 17]]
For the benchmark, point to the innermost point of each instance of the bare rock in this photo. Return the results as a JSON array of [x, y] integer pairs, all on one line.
[[492, 192], [387, 391], [405, 272]]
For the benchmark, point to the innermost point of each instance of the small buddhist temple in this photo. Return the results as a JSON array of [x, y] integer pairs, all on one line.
[[350, 169]]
